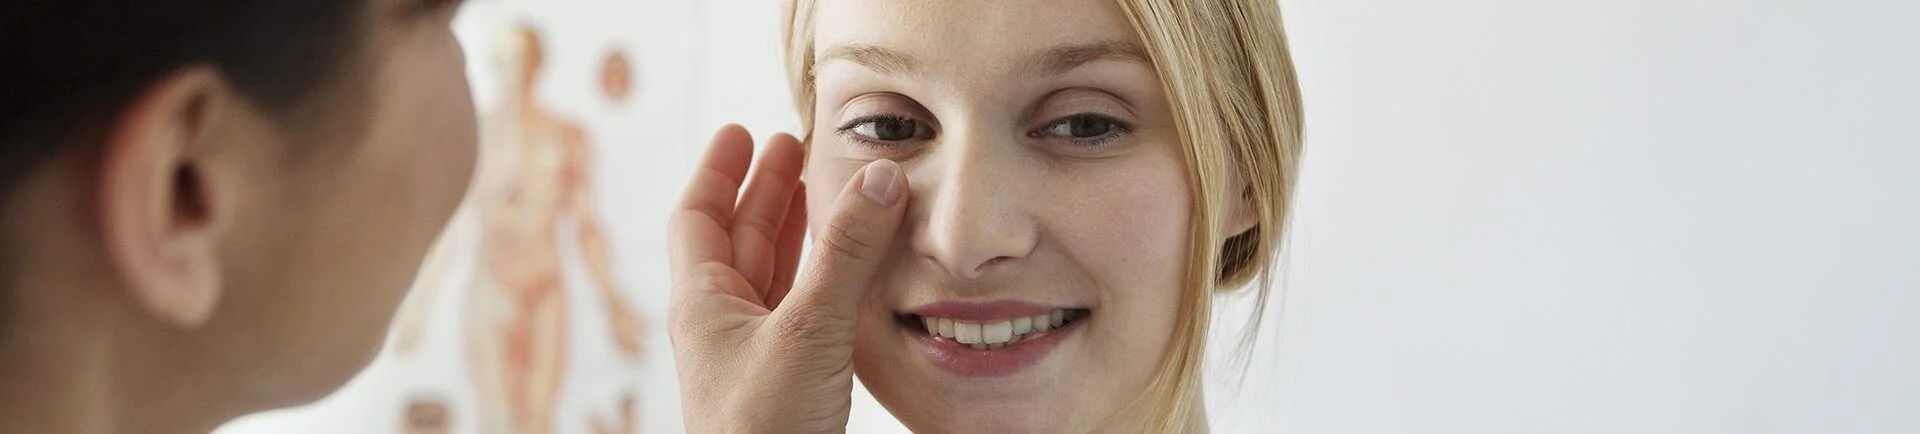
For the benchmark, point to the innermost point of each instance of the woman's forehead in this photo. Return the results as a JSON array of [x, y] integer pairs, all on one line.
[[977, 32]]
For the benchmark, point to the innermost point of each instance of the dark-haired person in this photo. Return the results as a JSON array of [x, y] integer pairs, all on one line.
[[212, 207]]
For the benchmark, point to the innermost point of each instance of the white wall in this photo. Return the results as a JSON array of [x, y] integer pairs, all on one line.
[[1524, 216]]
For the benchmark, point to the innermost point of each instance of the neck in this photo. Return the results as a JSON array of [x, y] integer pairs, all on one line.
[[74, 370]]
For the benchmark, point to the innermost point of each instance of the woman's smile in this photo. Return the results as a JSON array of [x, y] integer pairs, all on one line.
[[988, 339]]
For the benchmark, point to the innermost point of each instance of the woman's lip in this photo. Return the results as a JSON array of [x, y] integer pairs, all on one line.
[[1017, 357], [988, 311]]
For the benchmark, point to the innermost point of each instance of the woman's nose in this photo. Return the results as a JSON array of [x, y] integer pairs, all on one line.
[[969, 210]]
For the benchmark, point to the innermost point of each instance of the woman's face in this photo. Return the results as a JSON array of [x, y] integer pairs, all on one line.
[[1034, 285]]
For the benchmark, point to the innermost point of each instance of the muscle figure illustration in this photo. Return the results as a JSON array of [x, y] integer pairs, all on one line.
[[533, 201]]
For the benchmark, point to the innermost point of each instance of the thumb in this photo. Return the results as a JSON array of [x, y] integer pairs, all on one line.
[[847, 254]]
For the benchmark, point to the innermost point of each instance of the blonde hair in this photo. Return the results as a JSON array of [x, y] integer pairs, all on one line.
[[1229, 78]]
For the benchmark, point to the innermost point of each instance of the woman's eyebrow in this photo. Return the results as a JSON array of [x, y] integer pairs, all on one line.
[[1063, 59], [879, 59], [1052, 62]]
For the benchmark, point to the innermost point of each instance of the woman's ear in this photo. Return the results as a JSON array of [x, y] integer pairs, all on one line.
[[1242, 214], [159, 200]]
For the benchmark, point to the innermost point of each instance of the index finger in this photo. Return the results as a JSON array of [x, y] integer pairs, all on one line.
[[697, 231]]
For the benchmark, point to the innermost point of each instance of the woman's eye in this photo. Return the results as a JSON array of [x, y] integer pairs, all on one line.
[[1084, 127], [889, 129]]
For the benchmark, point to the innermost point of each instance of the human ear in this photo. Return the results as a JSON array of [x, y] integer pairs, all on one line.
[[161, 197]]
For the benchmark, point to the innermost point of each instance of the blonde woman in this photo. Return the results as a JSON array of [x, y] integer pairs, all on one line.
[[1020, 212]]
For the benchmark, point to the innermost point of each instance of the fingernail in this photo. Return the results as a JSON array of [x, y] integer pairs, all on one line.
[[880, 184]]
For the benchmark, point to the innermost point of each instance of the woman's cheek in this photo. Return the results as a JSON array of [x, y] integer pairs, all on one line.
[[823, 183], [1131, 223], [1129, 229]]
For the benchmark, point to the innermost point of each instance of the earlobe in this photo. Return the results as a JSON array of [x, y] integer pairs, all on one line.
[[159, 208]]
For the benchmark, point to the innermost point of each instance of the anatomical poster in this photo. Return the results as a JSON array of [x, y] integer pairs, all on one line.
[[540, 309]]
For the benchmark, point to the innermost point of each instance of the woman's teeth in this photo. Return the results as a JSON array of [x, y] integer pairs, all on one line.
[[993, 335]]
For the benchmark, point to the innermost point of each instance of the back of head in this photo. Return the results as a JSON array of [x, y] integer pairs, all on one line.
[[76, 63], [230, 196]]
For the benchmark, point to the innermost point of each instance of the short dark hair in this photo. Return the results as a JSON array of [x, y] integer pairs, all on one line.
[[68, 65]]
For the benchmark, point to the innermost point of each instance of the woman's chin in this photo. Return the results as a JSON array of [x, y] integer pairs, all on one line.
[[984, 418], [928, 410]]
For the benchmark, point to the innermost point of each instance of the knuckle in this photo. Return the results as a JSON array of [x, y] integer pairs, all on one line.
[[849, 237], [676, 218], [762, 230]]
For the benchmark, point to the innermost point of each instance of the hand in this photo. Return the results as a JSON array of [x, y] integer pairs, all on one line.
[[757, 353]]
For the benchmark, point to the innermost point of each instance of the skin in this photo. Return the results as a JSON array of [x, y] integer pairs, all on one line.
[[1045, 167], [197, 260]]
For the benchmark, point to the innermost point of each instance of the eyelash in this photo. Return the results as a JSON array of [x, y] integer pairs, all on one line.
[[846, 130], [1119, 128]]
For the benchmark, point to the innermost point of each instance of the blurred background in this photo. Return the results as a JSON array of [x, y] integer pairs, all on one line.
[[1517, 216]]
